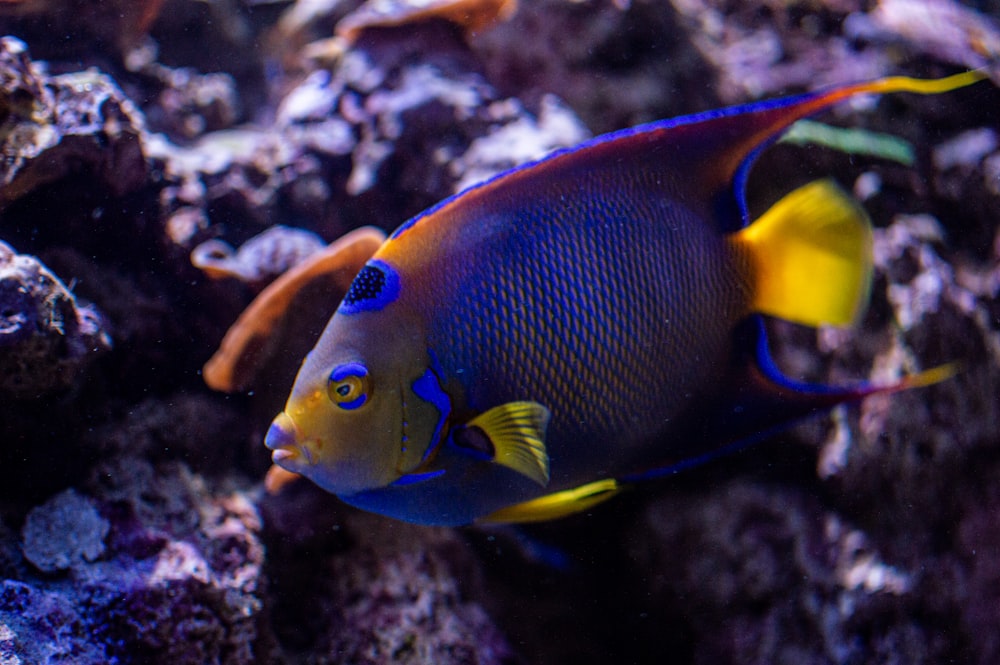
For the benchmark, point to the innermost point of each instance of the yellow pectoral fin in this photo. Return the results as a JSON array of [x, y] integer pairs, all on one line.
[[517, 432], [558, 504], [811, 255]]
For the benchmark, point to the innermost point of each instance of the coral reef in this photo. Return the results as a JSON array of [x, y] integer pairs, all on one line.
[[151, 566], [133, 525], [769, 577]]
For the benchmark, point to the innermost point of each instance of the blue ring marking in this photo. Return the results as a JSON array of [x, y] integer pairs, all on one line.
[[353, 404], [341, 372], [344, 371], [374, 287]]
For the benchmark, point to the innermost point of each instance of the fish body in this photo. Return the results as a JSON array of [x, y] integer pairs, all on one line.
[[524, 348]]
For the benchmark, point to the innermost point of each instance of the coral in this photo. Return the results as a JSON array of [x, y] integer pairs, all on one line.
[[63, 532], [967, 149], [264, 256], [378, 113], [615, 64], [192, 598], [472, 15], [47, 337], [522, 139], [942, 28], [117, 25], [759, 53], [189, 103], [155, 568]]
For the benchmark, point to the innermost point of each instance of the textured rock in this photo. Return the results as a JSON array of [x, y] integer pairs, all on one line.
[[374, 590], [44, 628], [60, 125], [46, 336], [189, 103], [750, 574], [63, 532], [383, 116], [178, 581]]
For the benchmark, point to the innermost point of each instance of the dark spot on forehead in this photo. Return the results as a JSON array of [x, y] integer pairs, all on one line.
[[373, 288]]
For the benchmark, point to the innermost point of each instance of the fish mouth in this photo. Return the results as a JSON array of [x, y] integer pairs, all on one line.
[[284, 439]]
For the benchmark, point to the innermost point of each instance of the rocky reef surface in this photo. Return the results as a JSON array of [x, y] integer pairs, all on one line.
[[153, 137]]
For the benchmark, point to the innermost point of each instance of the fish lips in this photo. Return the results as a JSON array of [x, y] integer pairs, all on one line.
[[283, 438]]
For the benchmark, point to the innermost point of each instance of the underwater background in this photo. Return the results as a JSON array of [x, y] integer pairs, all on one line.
[[163, 161]]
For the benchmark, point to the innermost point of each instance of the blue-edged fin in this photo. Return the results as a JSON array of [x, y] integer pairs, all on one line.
[[556, 505], [811, 256], [758, 401], [512, 435]]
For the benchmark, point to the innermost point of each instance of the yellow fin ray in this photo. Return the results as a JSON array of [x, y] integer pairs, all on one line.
[[517, 432], [557, 504], [811, 256], [928, 377], [924, 86]]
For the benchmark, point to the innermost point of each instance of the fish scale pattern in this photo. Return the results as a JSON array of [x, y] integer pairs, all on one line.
[[609, 323]]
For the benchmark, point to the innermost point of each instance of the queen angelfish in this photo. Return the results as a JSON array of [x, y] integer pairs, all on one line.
[[526, 348]]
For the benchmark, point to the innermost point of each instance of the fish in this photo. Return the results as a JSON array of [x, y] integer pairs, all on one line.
[[530, 347]]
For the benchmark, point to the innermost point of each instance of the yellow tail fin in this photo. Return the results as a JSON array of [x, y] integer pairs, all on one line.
[[811, 256]]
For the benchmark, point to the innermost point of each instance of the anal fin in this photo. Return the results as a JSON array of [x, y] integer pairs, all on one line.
[[558, 504]]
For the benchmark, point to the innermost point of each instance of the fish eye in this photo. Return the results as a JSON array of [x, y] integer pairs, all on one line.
[[348, 386]]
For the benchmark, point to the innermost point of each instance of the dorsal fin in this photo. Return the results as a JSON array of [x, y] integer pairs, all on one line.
[[704, 156]]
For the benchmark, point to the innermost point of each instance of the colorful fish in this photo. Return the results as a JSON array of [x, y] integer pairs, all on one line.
[[527, 347]]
